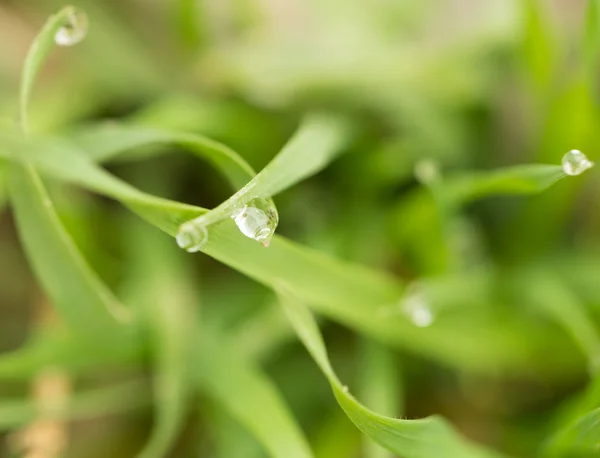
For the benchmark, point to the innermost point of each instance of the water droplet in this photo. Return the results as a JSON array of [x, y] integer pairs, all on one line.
[[257, 220], [191, 237], [345, 389], [575, 163], [427, 171], [74, 30], [415, 305]]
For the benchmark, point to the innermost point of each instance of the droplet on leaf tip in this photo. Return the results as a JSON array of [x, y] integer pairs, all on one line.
[[74, 30], [191, 237], [575, 163], [415, 305], [257, 220]]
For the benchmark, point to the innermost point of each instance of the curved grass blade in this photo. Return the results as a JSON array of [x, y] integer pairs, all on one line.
[[36, 57], [555, 299], [346, 293], [521, 179], [90, 404], [424, 438], [319, 139], [217, 369], [379, 388], [579, 439], [249, 397], [82, 300]]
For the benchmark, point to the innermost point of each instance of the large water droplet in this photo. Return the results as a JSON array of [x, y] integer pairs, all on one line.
[[191, 237], [415, 305], [575, 163], [257, 220], [74, 30]]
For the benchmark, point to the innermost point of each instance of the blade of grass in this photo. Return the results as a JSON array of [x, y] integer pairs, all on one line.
[[424, 438], [217, 369], [170, 320], [74, 288], [379, 385], [326, 284]]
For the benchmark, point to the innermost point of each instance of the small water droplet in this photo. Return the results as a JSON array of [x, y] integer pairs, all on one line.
[[427, 171], [415, 305], [575, 163], [74, 31], [345, 389], [191, 237], [257, 220]]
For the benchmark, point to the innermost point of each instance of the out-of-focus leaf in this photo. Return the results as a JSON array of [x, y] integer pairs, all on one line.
[[59, 349], [379, 388], [214, 365], [579, 439], [411, 438], [90, 404], [555, 299], [248, 396], [171, 322], [591, 38], [539, 47]]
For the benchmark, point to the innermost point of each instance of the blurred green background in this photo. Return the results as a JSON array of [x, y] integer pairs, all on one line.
[[469, 85]]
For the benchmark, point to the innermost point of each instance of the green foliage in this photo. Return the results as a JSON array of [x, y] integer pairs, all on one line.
[[450, 277]]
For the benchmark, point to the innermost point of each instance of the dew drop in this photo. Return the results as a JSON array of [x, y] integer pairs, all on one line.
[[415, 305], [191, 237], [74, 31], [345, 389], [575, 163], [257, 220], [427, 171]]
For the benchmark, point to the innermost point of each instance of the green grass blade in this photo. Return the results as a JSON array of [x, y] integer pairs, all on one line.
[[82, 300], [90, 404], [217, 368], [319, 139], [38, 53], [349, 294], [555, 299], [170, 320], [104, 143], [249, 397], [379, 385], [521, 179], [410, 438], [578, 439]]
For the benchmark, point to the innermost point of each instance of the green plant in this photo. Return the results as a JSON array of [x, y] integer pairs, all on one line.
[[158, 321]]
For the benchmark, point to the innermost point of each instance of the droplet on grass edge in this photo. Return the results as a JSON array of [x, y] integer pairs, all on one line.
[[257, 220], [191, 237], [575, 163], [415, 306], [75, 30]]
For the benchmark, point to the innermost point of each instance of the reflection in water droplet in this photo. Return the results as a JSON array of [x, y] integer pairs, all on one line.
[[191, 237], [74, 30], [575, 163], [415, 305], [257, 220]]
